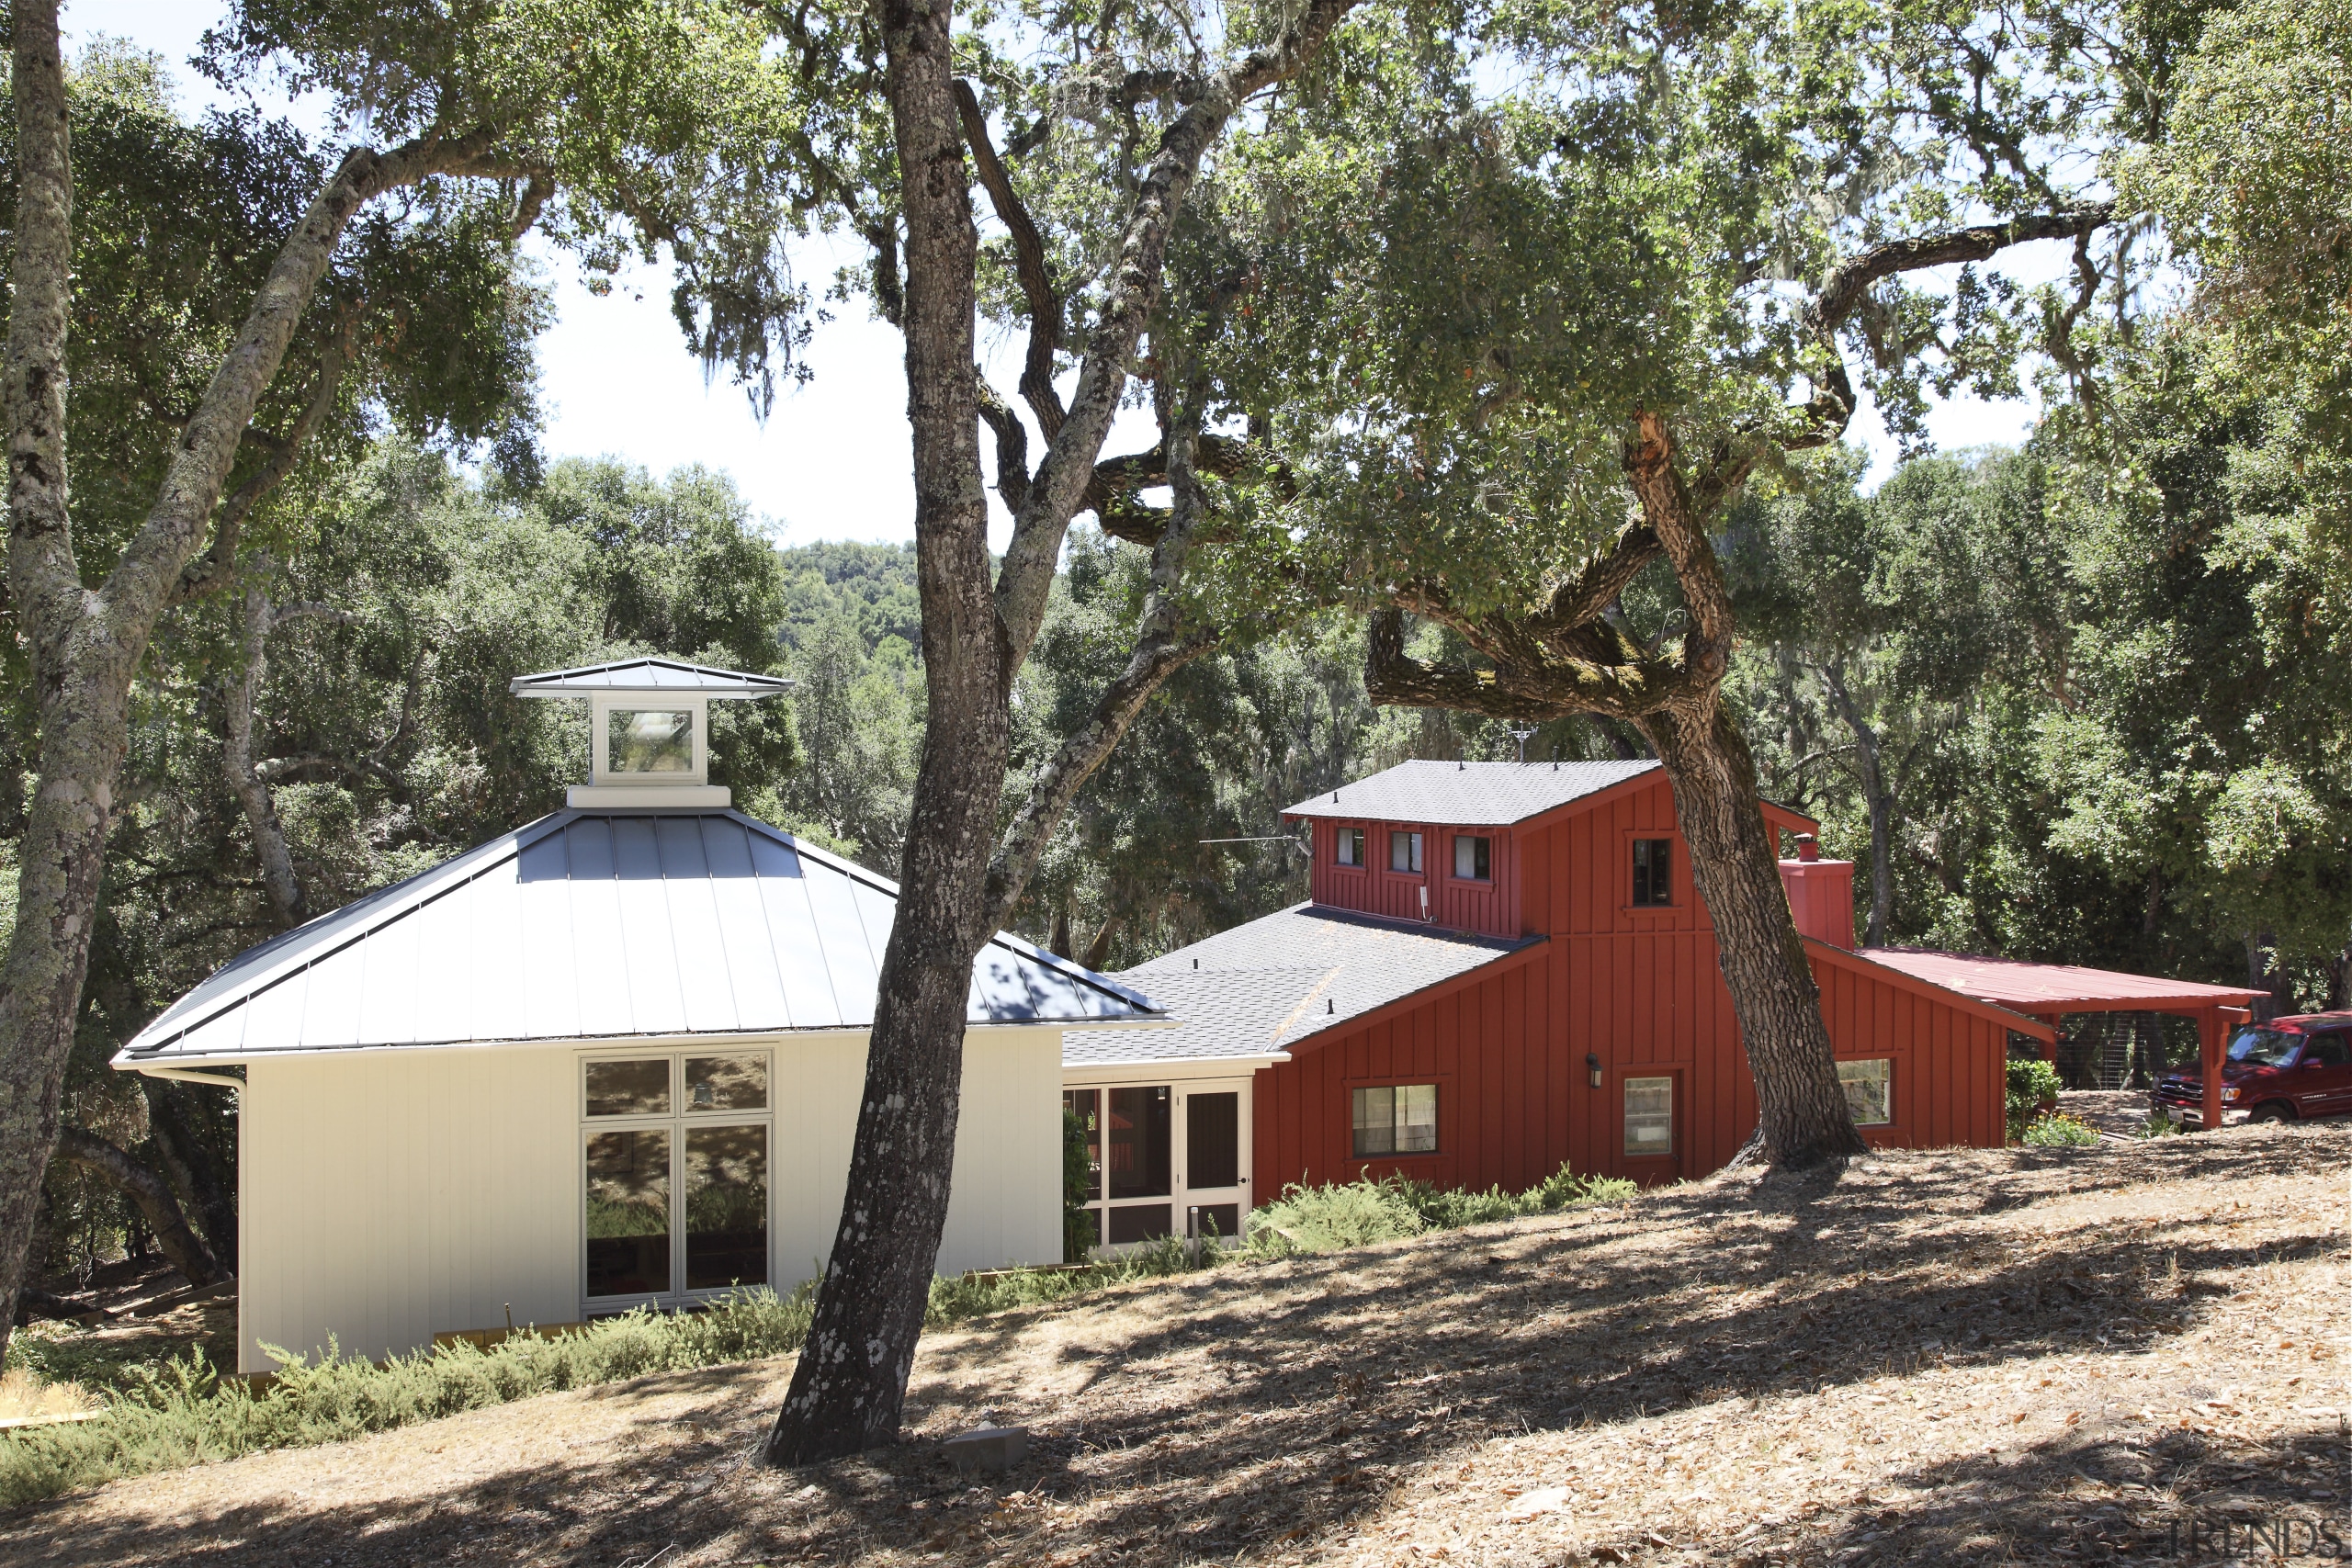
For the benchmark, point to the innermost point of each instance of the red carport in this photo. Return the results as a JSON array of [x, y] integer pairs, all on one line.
[[2047, 991]]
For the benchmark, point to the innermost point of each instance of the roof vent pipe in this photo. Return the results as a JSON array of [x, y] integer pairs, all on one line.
[[1330, 1005], [1808, 847]]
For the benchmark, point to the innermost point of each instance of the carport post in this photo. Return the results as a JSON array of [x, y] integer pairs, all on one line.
[[2209, 1043]]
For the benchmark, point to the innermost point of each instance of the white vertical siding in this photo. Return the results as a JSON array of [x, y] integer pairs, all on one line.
[[389, 1196], [1006, 1205]]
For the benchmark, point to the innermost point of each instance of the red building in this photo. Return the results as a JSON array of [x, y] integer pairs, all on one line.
[[1505, 968]]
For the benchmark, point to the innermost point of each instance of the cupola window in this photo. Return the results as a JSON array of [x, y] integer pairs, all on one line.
[[649, 741]]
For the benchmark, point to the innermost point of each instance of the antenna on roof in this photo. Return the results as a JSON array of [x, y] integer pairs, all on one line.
[[1520, 732]]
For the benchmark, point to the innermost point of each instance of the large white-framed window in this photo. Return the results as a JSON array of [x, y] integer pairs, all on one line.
[[1868, 1090], [675, 1154]]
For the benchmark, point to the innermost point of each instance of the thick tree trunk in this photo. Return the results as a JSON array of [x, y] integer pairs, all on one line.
[[848, 1387], [1801, 1110], [1876, 799], [153, 1196], [64, 829]]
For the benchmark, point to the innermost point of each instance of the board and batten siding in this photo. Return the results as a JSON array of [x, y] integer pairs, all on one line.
[[389, 1196]]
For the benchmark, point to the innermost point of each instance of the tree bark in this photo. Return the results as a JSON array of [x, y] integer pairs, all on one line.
[[1881, 805], [153, 1196], [1800, 1109], [86, 645], [850, 1382]]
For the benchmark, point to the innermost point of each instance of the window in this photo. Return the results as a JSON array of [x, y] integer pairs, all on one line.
[[1400, 1119], [1653, 872], [1351, 849], [1405, 852], [2326, 1051], [674, 1194], [1866, 1092], [649, 741], [1649, 1117], [1473, 858]]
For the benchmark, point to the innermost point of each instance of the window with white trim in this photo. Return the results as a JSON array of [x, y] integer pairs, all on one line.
[[1867, 1088], [1405, 852], [675, 1188]]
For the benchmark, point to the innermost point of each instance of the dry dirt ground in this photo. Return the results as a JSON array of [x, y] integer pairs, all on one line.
[[2018, 1356]]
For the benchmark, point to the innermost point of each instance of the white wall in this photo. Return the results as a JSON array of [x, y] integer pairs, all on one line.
[[390, 1195]]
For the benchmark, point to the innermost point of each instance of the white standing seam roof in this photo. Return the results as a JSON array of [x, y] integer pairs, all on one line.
[[590, 925], [648, 675], [1467, 795]]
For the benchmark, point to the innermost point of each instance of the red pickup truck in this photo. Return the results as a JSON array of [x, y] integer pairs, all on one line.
[[2279, 1071]]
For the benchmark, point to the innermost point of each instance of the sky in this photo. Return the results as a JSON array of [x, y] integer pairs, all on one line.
[[830, 461]]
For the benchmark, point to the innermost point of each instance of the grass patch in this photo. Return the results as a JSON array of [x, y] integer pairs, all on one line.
[[2060, 1131], [1355, 1213]]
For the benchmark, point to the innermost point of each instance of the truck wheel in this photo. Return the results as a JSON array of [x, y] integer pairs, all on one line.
[[2274, 1111]]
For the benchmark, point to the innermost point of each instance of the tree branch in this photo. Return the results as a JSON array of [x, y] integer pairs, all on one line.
[[1025, 580], [1162, 647], [1029, 258], [181, 1244], [1831, 408]]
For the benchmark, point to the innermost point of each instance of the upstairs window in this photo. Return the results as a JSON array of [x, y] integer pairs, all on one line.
[[1400, 1119], [1653, 872], [1351, 849], [1405, 853], [1473, 858]]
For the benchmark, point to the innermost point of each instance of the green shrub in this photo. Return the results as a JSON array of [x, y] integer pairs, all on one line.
[[2157, 1126], [184, 1413], [2059, 1131], [2032, 1083], [1354, 1214]]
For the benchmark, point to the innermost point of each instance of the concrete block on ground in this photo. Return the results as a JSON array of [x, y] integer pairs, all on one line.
[[987, 1448]]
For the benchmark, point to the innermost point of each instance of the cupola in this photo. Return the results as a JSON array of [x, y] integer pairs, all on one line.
[[649, 727]]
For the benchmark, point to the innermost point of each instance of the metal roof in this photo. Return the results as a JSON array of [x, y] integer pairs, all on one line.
[[590, 925], [648, 675], [1262, 987], [2027, 988], [1467, 795]]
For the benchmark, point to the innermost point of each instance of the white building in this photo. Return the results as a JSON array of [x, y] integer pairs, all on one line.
[[611, 1058]]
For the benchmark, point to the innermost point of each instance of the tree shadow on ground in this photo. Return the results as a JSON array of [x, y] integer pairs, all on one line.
[[1255, 1405]]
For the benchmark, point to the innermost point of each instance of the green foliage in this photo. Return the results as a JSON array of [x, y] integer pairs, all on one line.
[[186, 1413], [1359, 1212], [2157, 1126], [2031, 1084], [2059, 1131]]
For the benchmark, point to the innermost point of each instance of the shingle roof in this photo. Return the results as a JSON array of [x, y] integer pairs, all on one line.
[[594, 925], [1467, 795], [1264, 987], [648, 674]]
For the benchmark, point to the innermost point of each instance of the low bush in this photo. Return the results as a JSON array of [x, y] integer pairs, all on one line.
[[1354, 1214], [2059, 1131], [185, 1412], [2033, 1084], [2159, 1125]]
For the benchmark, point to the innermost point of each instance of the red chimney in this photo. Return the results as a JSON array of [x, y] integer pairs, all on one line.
[[1821, 894]]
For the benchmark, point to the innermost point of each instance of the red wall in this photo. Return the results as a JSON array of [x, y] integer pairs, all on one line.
[[1638, 988], [1489, 908]]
